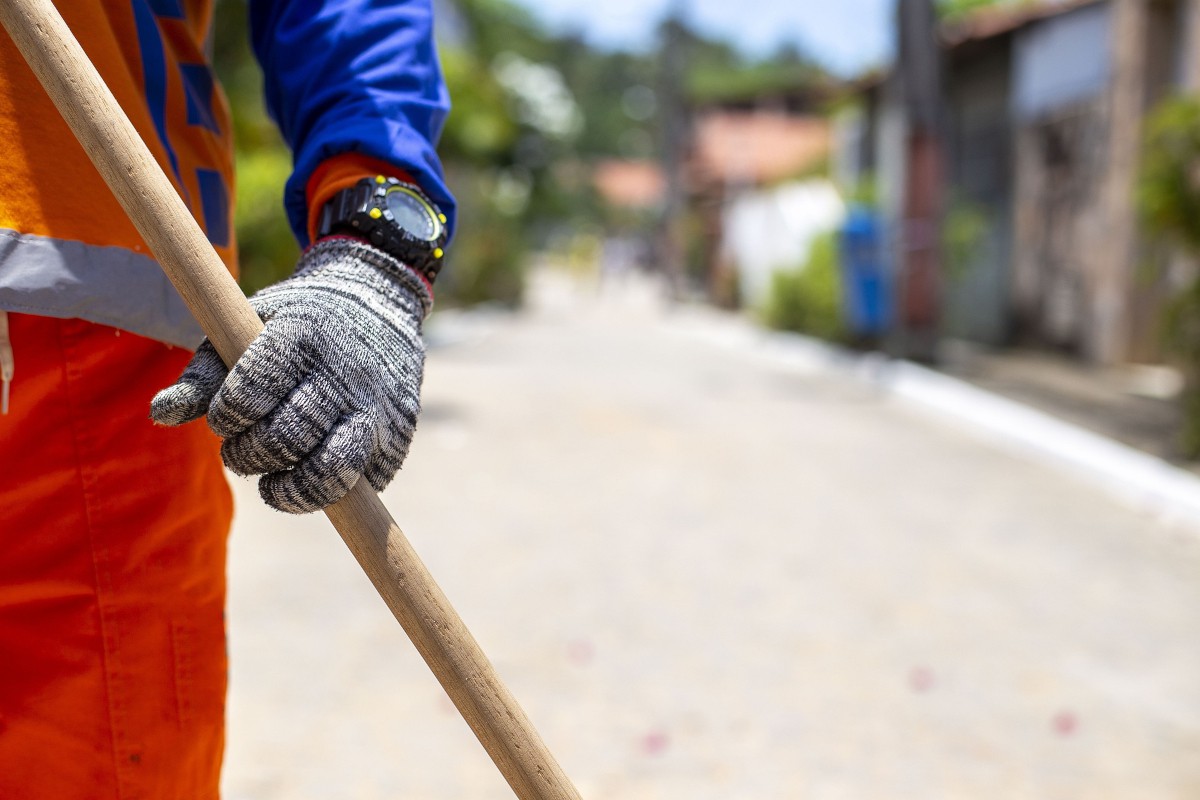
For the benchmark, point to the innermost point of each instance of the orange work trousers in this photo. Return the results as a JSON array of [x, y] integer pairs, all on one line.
[[112, 574]]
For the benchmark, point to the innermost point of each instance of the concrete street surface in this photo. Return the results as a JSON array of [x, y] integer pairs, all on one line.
[[708, 574]]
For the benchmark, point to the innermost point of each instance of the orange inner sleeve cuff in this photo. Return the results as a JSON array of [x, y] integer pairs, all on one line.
[[342, 172]]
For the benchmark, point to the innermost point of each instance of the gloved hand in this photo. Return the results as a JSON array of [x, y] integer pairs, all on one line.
[[329, 391]]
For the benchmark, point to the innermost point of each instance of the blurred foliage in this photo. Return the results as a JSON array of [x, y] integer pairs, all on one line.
[[719, 73], [700, 243], [489, 254], [1168, 188], [618, 99], [511, 147], [1181, 333], [963, 231], [809, 299], [267, 250], [953, 10], [479, 149], [1168, 197], [481, 130], [865, 192], [532, 112]]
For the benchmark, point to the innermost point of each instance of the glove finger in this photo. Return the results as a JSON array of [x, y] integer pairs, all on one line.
[[395, 438], [189, 397], [274, 363], [387, 459], [327, 474], [282, 439]]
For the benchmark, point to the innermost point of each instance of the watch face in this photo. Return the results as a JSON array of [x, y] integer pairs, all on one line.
[[413, 214]]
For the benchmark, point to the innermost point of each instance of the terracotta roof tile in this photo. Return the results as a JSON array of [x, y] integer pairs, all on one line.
[[758, 146]]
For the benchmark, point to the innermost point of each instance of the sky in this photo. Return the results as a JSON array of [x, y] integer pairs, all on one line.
[[847, 36]]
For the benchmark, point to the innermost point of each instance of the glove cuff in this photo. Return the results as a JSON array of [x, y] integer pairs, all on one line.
[[342, 248]]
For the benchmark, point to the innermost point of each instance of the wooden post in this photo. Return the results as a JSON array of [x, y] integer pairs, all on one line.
[[1191, 46], [919, 66], [1108, 336]]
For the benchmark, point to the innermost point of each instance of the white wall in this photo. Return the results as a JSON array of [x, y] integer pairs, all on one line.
[[772, 229]]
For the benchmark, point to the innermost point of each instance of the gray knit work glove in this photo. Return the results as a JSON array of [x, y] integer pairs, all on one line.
[[329, 391]]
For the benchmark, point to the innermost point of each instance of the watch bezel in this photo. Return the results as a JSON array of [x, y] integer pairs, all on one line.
[[435, 216], [361, 210]]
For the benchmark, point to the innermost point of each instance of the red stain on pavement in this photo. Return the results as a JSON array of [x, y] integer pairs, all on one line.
[[1064, 723], [655, 743], [920, 679], [580, 652]]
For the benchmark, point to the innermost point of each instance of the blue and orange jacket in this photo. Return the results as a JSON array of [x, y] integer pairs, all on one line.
[[354, 86]]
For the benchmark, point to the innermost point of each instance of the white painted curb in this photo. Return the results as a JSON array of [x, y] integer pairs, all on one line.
[[1137, 478]]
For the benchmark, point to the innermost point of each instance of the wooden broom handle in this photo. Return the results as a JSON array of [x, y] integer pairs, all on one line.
[[166, 224]]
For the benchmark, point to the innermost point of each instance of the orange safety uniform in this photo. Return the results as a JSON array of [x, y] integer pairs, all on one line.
[[112, 530], [112, 574]]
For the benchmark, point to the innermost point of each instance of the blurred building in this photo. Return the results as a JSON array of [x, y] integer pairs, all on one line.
[[754, 146], [630, 183], [1043, 111], [754, 190], [755, 178]]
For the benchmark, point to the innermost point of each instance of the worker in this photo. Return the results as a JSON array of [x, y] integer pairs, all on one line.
[[114, 510]]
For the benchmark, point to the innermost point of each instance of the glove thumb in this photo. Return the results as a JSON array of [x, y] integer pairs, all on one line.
[[188, 398]]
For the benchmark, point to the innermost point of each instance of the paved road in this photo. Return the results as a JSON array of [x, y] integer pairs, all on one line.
[[707, 574]]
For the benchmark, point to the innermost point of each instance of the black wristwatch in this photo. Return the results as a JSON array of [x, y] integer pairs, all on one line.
[[393, 215]]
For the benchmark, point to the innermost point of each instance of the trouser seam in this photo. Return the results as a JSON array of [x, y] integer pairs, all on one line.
[[100, 571]]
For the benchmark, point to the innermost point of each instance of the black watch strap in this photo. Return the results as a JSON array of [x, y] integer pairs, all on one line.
[[363, 210], [339, 207]]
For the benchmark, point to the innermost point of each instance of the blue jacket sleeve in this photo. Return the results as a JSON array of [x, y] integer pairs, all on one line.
[[353, 76]]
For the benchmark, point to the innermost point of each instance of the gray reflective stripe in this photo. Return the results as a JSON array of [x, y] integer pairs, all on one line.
[[108, 285]]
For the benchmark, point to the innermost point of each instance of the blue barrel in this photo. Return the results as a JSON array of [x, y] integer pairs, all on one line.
[[866, 298]]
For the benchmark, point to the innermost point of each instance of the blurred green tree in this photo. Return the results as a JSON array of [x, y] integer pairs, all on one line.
[[957, 9], [532, 112], [808, 299], [717, 72], [1168, 196], [1168, 190], [267, 251]]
